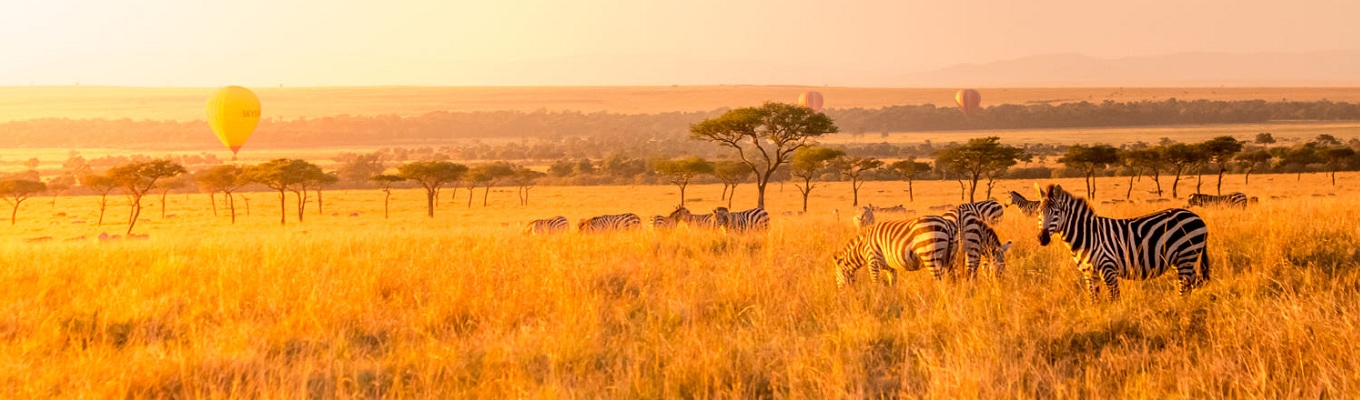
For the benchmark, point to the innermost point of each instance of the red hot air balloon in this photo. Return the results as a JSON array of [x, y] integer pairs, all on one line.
[[811, 100], [968, 100]]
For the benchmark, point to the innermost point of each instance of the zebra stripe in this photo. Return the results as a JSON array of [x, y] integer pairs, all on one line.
[[864, 218], [989, 210], [755, 218], [1029, 207], [898, 245], [977, 239], [547, 226], [660, 222], [1238, 200], [1107, 249], [682, 214], [605, 223]]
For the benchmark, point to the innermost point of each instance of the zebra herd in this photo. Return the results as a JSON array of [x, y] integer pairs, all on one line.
[[1104, 249], [721, 218]]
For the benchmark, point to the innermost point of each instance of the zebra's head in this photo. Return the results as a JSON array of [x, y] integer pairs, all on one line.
[[680, 212], [720, 216], [1053, 207], [1197, 199], [1016, 198]]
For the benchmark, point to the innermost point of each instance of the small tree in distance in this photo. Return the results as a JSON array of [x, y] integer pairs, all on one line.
[[225, 179], [681, 171], [524, 179], [101, 184], [1088, 160], [138, 178], [853, 168], [167, 185], [1220, 151], [771, 133], [1250, 161], [1180, 156], [432, 175], [731, 173], [977, 158], [15, 191], [60, 184], [385, 182], [280, 175], [809, 163], [909, 169]]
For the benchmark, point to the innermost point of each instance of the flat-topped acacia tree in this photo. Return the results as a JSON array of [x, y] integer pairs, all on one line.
[[432, 175], [764, 137], [139, 178], [15, 191]]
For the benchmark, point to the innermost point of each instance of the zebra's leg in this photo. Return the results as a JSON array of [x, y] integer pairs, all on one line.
[[891, 275], [876, 265], [845, 276], [1092, 285], [1111, 281]]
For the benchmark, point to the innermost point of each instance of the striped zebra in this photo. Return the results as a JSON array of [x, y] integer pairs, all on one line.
[[989, 210], [977, 239], [1029, 207], [1107, 249], [755, 218], [864, 218], [605, 223], [925, 242], [1237, 200], [547, 226], [660, 222], [682, 214]]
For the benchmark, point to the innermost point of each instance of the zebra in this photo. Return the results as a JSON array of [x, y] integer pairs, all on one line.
[[1238, 200], [864, 218], [660, 222], [989, 210], [1029, 207], [547, 226], [1107, 249], [682, 214], [755, 218], [898, 245], [603, 223], [977, 239]]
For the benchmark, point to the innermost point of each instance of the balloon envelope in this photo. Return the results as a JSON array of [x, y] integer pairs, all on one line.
[[968, 100], [233, 113], [811, 100]]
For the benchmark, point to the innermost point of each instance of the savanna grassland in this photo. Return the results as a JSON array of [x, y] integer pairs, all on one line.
[[464, 305]]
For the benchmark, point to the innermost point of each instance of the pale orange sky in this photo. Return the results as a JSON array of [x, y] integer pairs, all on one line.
[[617, 42]]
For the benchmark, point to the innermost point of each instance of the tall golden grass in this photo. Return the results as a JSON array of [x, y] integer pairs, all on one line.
[[461, 306]]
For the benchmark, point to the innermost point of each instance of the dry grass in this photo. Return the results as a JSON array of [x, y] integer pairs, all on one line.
[[459, 306], [186, 104]]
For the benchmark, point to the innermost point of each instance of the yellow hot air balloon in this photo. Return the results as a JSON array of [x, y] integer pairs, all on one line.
[[233, 112]]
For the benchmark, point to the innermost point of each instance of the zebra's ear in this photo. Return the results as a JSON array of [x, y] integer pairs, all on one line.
[[1006, 247], [1040, 189]]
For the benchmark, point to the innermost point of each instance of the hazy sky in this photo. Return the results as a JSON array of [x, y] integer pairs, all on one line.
[[616, 42]]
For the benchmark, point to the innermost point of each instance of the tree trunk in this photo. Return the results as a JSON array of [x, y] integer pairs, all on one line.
[[1246, 180], [14, 214], [854, 189], [283, 207], [1093, 185], [212, 197], [247, 200], [429, 202], [319, 204], [1220, 181], [1157, 179], [486, 192], [1199, 180], [730, 195], [1333, 177], [963, 191], [1175, 184], [526, 196], [301, 203], [760, 193], [1128, 195], [682, 194], [136, 213], [387, 197], [470, 194], [163, 194], [911, 193], [231, 204], [103, 204], [724, 193]]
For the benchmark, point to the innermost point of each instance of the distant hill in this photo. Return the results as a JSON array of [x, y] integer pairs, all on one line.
[[1330, 68]]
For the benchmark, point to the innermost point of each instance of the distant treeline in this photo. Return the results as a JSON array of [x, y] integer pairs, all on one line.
[[643, 131]]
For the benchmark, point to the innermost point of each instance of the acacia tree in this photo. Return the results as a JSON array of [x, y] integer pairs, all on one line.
[[60, 184], [1139, 162], [321, 182], [138, 178], [1180, 156], [101, 184], [15, 191], [487, 175], [280, 175], [809, 163], [909, 169], [432, 175], [854, 168], [524, 179], [1300, 157], [167, 185], [385, 182], [731, 173], [225, 179], [1251, 160], [979, 157], [309, 177], [1338, 158], [681, 171], [1265, 139], [764, 137], [1089, 160], [1220, 151]]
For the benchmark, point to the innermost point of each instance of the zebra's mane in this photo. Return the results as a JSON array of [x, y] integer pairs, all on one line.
[[1081, 203]]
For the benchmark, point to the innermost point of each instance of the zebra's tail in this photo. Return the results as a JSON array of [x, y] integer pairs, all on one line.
[[1203, 268]]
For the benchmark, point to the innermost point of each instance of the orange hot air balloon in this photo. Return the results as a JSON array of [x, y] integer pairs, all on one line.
[[968, 100], [811, 100], [233, 113]]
